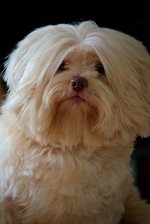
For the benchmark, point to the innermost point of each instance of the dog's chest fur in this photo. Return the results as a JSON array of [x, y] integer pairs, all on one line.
[[72, 185]]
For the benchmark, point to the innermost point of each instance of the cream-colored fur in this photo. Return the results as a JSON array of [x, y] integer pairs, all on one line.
[[78, 97]]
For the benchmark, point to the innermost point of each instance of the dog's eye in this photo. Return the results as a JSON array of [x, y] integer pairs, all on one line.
[[62, 67], [99, 68]]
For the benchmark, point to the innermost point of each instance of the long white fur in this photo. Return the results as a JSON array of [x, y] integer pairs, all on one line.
[[68, 162]]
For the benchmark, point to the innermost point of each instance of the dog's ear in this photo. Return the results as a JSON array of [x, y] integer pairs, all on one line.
[[127, 65], [30, 59], [141, 96], [16, 65]]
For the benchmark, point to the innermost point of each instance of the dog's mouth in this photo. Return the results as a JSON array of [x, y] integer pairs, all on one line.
[[77, 99]]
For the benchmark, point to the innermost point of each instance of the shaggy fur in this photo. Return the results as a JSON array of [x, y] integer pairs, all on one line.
[[78, 97]]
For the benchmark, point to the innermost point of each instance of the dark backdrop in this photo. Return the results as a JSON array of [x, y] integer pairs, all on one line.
[[16, 21]]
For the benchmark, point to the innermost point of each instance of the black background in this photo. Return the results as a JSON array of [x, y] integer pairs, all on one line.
[[16, 21]]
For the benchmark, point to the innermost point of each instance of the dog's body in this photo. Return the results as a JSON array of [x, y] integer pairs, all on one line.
[[78, 98]]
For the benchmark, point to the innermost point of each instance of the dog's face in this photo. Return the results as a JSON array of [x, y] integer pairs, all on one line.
[[79, 84]]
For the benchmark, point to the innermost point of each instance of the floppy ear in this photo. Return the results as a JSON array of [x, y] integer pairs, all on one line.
[[127, 65], [142, 87], [17, 64], [140, 90], [30, 59], [20, 69]]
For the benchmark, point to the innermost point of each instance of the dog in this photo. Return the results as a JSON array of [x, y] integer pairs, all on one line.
[[78, 96]]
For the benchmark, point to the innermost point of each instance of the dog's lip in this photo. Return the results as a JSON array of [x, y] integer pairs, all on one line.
[[77, 99]]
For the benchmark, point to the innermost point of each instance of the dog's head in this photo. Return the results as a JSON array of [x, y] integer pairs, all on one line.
[[79, 83]]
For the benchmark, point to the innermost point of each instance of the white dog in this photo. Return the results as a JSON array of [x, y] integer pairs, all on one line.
[[78, 97]]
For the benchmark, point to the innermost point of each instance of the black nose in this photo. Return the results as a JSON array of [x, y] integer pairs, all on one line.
[[78, 83]]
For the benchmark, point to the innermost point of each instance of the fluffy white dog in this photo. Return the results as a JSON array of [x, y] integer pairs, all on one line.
[[78, 97]]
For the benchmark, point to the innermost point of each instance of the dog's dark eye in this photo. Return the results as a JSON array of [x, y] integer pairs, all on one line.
[[99, 68], [62, 67]]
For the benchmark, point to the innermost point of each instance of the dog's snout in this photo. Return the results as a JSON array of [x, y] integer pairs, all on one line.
[[78, 83]]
